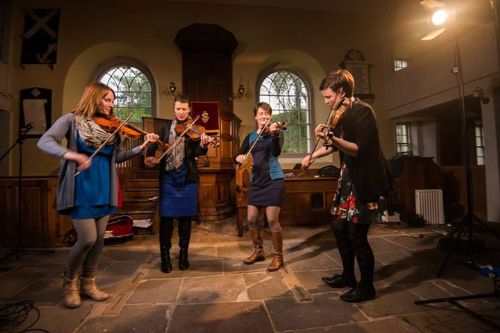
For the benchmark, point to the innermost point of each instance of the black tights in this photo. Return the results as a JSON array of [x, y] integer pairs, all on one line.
[[166, 230], [352, 241]]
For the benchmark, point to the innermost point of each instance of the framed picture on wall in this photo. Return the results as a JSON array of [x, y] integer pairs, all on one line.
[[35, 111], [209, 115]]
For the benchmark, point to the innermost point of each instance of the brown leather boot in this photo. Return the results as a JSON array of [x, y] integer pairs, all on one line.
[[258, 252], [277, 261], [71, 293], [89, 289]]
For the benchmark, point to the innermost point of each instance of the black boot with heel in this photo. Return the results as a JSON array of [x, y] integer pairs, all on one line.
[[166, 229], [184, 237]]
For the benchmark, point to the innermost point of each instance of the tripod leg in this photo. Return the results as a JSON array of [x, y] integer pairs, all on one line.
[[458, 231], [493, 232], [453, 299], [476, 315]]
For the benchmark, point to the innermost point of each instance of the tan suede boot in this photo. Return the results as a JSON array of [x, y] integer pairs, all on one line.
[[277, 261], [71, 293], [89, 289], [258, 252]]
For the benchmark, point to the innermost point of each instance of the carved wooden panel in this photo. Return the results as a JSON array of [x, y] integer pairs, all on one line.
[[40, 224]]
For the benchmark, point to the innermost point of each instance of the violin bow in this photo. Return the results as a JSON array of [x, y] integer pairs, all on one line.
[[179, 138], [107, 140], [255, 142]]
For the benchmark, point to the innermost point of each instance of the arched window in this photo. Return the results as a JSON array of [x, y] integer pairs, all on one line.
[[288, 95], [133, 90]]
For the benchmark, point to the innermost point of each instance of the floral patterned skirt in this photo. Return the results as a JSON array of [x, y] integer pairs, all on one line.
[[346, 207]]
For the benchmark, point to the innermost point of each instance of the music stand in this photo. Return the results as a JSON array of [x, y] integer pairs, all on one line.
[[493, 272], [452, 240], [23, 131]]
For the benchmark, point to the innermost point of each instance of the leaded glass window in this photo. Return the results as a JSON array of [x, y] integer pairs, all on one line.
[[133, 92], [403, 143], [288, 96], [479, 138]]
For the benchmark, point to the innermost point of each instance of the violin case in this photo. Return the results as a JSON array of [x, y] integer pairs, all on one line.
[[119, 227]]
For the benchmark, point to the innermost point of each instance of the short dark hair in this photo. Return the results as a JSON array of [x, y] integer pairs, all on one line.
[[182, 98], [337, 80], [264, 106]]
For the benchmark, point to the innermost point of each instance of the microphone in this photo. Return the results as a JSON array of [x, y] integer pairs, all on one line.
[[26, 128]]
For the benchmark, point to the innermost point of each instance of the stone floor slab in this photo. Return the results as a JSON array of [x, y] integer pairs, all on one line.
[[241, 317], [144, 318], [156, 291], [262, 286], [324, 310], [212, 289]]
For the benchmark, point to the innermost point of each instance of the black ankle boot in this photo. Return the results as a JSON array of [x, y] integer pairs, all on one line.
[[183, 260], [166, 264], [166, 229], [338, 281], [359, 294]]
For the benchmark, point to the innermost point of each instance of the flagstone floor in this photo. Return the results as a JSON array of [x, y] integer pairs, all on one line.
[[219, 294]]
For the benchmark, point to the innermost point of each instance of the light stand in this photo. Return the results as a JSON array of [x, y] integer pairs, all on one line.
[[19, 246], [451, 241]]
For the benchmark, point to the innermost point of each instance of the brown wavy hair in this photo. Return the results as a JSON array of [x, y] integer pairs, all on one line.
[[92, 95]]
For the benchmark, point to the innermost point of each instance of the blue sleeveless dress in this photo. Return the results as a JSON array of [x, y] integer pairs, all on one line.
[[93, 186]]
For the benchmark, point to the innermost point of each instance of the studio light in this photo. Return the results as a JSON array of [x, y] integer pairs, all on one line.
[[439, 17]]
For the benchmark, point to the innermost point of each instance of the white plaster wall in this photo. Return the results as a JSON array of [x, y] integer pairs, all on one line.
[[93, 31]]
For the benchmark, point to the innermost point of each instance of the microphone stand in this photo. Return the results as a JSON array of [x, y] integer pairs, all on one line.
[[19, 246]]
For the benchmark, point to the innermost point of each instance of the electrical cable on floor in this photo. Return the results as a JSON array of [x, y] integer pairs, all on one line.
[[14, 314]]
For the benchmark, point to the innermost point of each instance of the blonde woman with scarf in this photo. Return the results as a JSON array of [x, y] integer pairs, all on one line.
[[87, 189]]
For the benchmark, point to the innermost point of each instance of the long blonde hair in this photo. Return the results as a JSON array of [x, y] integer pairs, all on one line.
[[92, 95]]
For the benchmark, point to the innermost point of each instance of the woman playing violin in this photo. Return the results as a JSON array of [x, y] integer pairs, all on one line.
[[91, 197], [267, 186], [178, 181], [363, 180]]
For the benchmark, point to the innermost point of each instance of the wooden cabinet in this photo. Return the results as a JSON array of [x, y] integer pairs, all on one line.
[[308, 200], [39, 224]]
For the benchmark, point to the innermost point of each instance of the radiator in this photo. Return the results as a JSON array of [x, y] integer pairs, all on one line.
[[429, 203]]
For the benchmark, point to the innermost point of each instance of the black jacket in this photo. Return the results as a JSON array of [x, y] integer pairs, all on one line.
[[368, 170]]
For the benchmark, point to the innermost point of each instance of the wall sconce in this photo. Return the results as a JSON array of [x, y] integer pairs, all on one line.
[[238, 94], [479, 93], [172, 88]]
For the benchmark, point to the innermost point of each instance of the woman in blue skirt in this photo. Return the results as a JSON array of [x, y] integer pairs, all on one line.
[[267, 185], [87, 189], [178, 182]]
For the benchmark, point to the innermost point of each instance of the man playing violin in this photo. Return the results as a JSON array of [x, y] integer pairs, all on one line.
[[88, 184], [363, 180], [178, 180], [267, 186]]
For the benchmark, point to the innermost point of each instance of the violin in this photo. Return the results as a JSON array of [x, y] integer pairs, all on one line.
[[280, 127], [111, 124], [194, 132], [337, 117], [130, 131]]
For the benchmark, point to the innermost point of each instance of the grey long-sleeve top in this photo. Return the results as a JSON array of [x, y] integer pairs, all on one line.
[[50, 143]]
